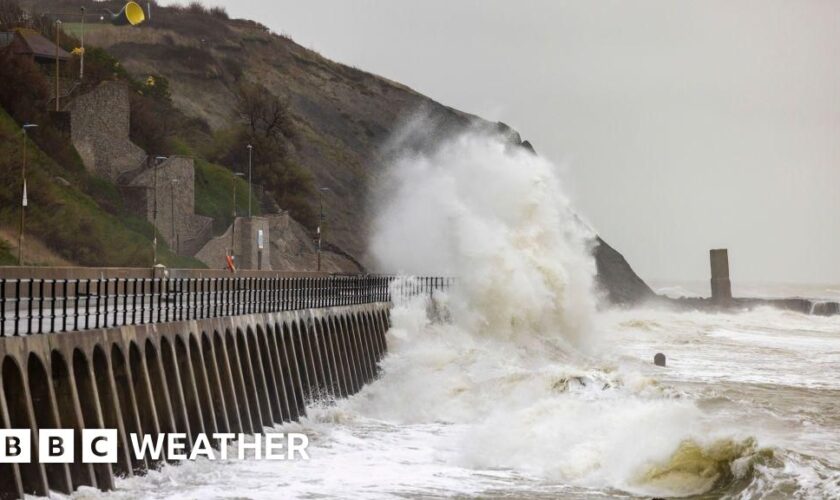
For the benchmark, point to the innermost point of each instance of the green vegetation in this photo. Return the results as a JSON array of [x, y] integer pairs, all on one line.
[[268, 125], [67, 219], [6, 257], [83, 218], [214, 194], [78, 216]]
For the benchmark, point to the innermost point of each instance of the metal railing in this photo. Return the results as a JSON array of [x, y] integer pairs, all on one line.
[[37, 306]]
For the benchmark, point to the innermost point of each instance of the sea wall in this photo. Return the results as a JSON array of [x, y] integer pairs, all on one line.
[[234, 374]]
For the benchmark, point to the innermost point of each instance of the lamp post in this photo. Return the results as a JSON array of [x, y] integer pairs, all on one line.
[[250, 154], [57, 35], [23, 201], [320, 222], [233, 225], [172, 184], [82, 43], [158, 161]]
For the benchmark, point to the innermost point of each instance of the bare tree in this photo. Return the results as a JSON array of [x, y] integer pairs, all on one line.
[[266, 115], [269, 127]]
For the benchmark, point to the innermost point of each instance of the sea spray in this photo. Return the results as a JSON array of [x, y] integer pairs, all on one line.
[[517, 365], [494, 216]]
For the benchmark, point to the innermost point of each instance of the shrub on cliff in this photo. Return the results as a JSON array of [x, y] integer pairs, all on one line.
[[24, 90], [268, 126], [11, 14]]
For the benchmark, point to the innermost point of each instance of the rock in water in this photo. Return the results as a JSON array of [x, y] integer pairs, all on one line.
[[659, 359]]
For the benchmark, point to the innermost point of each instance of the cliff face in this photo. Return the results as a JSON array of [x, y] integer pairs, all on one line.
[[342, 115], [616, 278]]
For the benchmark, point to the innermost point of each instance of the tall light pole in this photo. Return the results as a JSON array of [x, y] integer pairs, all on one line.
[[233, 225], [174, 241], [158, 161], [320, 222], [57, 34], [250, 154], [23, 200], [82, 55]]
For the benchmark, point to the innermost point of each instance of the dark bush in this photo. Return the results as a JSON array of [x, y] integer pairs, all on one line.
[[11, 15], [152, 124], [268, 126], [24, 90], [196, 8], [219, 12]]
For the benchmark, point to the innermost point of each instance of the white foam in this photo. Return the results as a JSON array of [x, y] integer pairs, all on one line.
[[527, 391]]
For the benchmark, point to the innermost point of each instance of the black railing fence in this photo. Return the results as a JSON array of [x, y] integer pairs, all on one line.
[[38, 306]]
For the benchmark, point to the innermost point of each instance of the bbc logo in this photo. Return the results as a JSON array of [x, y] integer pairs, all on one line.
[[100, 446], [58, 446]]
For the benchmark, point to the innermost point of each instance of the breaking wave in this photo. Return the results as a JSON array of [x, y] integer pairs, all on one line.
[[518, 362]]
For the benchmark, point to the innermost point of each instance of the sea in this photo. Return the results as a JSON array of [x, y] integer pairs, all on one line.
[[748, 406], [518, 383]]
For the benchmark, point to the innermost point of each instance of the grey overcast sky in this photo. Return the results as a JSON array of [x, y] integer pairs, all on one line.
[[685, 125]]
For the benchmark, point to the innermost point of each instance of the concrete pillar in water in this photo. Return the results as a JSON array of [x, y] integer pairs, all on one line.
[[721, 287]]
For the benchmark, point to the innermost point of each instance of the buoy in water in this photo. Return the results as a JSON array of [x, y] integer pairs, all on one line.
[[659, 359]]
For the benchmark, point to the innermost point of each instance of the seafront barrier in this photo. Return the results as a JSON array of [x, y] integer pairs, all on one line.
[[191, 352]]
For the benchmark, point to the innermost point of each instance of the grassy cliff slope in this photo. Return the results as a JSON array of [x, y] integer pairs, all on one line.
[[63, 217], [341, 117]]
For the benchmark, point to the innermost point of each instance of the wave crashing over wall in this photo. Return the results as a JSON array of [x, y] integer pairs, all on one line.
[[517, 366]]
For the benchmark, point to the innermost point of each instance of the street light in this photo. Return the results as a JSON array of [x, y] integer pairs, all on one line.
[[320, 221], [233, 225], [23, 201], [82, 55], [57, 34], [158, 161], [172, 184], [250, 154]]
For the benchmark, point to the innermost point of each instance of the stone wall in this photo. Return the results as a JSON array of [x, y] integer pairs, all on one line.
[[289, 247], [245, 245], [99, 122], [183, 230]]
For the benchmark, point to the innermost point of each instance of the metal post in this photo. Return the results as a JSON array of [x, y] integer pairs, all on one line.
[[57, 90], [250, 154], [64, 305], [40, 305], [158, 159], [24, 201], [320, 222], [233, 225], [172, 201], [3, 307], [82, 48]]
